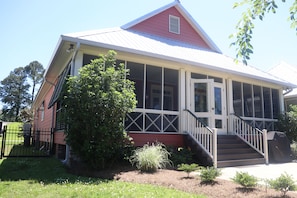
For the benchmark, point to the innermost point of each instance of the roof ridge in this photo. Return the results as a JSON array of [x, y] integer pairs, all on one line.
[[93, 32]]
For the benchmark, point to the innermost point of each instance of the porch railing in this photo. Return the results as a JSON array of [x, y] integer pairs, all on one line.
[[254, 137], [204, 136]]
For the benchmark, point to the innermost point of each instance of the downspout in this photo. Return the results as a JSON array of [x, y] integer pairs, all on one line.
[[67, 152]]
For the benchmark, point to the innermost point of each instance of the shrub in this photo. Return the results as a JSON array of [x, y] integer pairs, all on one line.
[[188, 168], [96, 103], [284, 183], [209, 174], [246, 180], [181, 155], [294, 150], [287, 123], [150, 158]]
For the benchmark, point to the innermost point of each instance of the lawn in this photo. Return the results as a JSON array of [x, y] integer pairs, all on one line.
[[47, 177]]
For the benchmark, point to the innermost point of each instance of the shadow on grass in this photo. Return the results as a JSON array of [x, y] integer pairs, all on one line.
[[49, 170]]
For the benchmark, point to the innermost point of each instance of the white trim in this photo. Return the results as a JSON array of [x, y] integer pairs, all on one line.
[[171, 28]]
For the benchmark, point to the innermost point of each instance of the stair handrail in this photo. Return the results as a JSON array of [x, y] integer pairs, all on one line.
[[202, 134], [251, 135]]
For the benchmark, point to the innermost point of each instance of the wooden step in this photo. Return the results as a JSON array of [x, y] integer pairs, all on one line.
[[232, 151], [241, 162]]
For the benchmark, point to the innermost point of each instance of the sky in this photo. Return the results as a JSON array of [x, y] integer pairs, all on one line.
[[30, 29]]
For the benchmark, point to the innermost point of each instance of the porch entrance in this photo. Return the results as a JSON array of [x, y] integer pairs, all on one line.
[[208, 102]]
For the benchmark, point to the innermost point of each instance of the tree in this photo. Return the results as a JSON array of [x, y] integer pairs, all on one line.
[[287, 123], [35, 72], [256, 9], [14, 94], [96, 102]]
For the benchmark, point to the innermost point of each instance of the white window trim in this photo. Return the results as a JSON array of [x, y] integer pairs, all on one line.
[[178, 28]]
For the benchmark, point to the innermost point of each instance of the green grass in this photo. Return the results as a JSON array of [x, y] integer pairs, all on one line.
[[47, 177]]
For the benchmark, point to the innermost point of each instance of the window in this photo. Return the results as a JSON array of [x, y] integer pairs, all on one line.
[[136, 73], [153, 94], [41, 109], [275, 103], [258, 101], [248, 100], [237, 98], [174, 24], [267, 102]]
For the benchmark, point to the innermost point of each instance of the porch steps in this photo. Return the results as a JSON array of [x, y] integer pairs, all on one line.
[[232, 151]]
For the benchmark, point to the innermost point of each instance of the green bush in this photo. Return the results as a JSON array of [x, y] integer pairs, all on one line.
[[246, 180], [209, 174], [180, 155], [188, 168], [284, 183], [150, 158], [294, 150], [95, 104], [287, 123]]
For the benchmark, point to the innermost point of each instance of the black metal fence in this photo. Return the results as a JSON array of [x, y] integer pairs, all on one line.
[[25, 142]]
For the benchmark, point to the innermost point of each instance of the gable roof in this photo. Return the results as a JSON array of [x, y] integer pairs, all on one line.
[[158, 47], [176, 4], [141, 43], [288, 72], [285, 71]]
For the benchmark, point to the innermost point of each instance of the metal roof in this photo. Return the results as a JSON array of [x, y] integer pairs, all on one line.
[[159, 47]]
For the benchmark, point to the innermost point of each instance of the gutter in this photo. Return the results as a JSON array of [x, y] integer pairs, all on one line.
[[67, 152]]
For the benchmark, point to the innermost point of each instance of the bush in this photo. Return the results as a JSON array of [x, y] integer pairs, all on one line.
[[287, 123], [181, 155], [188, 168], [150, 158], [294, 150], [284, 183], [209, 174], [95, 104], [246, 180]]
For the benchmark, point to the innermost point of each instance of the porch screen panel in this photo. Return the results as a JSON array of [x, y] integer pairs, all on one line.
[[247, 100], [258, 101], [170, 98], [136, 75], [275, 103], [267, 102], [153, 96], [237, 98]]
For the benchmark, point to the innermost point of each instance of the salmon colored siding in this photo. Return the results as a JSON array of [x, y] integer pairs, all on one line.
[[46, 123], [159, 25], [59, 138], [140, 139]]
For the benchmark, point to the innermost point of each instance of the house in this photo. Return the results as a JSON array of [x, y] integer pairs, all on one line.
[[188, 92], [288, 72]]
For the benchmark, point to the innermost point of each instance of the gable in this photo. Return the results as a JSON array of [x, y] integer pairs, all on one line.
[[159, 25]]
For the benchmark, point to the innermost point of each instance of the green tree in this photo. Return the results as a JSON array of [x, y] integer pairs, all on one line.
[[287, 123], [256, 9], [14, 94], [35, 72], [96, 102]]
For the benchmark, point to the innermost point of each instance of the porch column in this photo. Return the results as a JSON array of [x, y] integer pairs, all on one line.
[[182, 99], [230, 109]]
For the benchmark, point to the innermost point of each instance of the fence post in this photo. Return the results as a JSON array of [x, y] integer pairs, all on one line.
[[265, 144], [3, 141], [215, 146]]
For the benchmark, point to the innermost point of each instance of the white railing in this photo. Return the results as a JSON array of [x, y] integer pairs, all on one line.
[[254, 137], [205, 137]]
